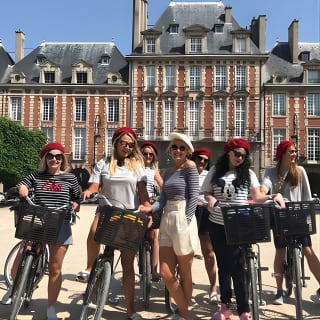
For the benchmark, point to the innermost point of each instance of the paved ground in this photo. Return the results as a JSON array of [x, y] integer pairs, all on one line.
[[70, 299]]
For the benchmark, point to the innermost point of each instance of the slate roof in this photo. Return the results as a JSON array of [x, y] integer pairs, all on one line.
[[5, 60], [65, 55], [186, 14]]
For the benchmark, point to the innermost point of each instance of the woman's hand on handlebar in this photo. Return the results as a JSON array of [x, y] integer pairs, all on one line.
[[23, 191]]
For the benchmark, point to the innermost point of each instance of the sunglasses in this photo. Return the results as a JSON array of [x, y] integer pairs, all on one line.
[[199, 158], [126, 144], [291, 152], [51, 156], [146, 154], [238, 154], [175, 148]]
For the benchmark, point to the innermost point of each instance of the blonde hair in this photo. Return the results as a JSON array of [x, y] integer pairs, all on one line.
[[43, 166], [154, 162]]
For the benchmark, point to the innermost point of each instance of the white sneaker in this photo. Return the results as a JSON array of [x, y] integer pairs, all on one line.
[[135, 316], [213, 297], [6, 299], [51, 313]]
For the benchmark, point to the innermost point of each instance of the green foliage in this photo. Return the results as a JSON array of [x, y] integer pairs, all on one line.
[[19, 151]]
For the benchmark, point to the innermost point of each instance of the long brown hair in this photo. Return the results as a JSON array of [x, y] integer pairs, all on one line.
[[293, 176]]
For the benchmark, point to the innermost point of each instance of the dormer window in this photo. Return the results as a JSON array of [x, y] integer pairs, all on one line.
[[195, 45], [240, 44], [82, 78], [218, 28], [313, 76], [240, 41], [81, 73], [151, 41], [40, 59], [105, 59], [196, 39], [49, 77], [304, 56], [49, 73], [151, 45], [173, 28]]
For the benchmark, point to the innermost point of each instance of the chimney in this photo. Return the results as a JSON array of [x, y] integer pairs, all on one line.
[[293, 40], [139, 21], [258, 32], [227, 15], [19, 46]]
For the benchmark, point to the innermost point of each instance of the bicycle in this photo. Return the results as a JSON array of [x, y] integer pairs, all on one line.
[[117, 229], [294, 221], [246, 226]]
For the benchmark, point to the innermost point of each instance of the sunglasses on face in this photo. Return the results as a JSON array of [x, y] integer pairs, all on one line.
[[291, 152], [146, 154], [175, 148], [51, 156], [238, 154], [199, 158], [126, 144]]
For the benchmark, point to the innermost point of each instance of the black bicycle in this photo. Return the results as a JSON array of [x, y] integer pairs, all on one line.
[[293, 222], [117, 229], [246, 226]]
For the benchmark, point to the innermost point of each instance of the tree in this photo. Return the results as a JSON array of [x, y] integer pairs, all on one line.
[[19, 151]]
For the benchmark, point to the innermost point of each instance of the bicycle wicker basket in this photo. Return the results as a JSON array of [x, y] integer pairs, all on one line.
[[247, 224], [120, 228], [298, 218], [38, 224]]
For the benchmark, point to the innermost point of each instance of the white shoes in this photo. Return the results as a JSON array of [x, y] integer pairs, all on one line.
[[51, 313], [6, 299]]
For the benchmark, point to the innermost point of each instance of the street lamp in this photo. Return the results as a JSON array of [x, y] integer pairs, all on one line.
[[295, 137], [96, 137]]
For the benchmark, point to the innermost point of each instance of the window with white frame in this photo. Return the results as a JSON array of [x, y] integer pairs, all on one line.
[[313, 76], [149, 118], [173, 28], [278, 135], [16, 108], [194, 118], [170, 77], [113, 113], [241, 77], [81, 109], [240, 45], [313, 144], [313, 102], [279, 104], [151, 77], [195, 45], [151, 45], [195, 78], [240, 118], [82, 78], [109, 135], [168, 118], [48, 131], [220, 118], [221, 77], [48, 109], [79, 143], [49, 77]]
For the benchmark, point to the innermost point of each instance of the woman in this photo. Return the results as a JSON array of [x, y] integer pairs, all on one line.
[[178, 228], [292, 182], [231, 180], [154, 181], [53, 187], [122, 180], [201, 157]]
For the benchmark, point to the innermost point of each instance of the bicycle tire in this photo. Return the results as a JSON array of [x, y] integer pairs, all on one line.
[[288, 273], [97, 291], [298, 282], [18, 293], [253, 292], [146, 274]]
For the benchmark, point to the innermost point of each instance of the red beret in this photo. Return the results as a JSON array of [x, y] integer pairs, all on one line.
[[149, 144], [236, 143], [51, 146], [282, 148], [121, 131], [202, 152]]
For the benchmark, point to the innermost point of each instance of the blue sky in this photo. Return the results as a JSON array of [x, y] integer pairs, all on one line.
[[111, 20]]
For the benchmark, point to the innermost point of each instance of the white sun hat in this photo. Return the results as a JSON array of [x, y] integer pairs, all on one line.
[[182, 137]]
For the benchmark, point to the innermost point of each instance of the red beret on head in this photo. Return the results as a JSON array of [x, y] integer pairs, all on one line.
[[51, 146], [202, 152], [237, 143], [282, 148], [121, 131], [150, 144]]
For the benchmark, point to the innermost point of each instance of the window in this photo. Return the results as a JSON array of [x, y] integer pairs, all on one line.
[[168, 115], [82, 78], [48, 106], [16, 108], [49, 77], [277, 136], [170, 77], [113, 113], [305, 56], [40, 59], [240, 118], [313, 76], [173, 28], [105, 59], [195, 45], [194, 118], [195, 72], [79, 143], [81, 109], [149, 118], [313, 101], [49, 133], [220, 116], [241, 78], [221, 77], [151, 80], [313, 145], [279, 104], [218, 28], [109, 136], [240, 45], [151, 45]]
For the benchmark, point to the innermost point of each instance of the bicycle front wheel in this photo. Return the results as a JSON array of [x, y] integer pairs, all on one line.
[[298, 282], [252, 285], [19, 290], [288, 277], [146, 274], [97, 291]]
